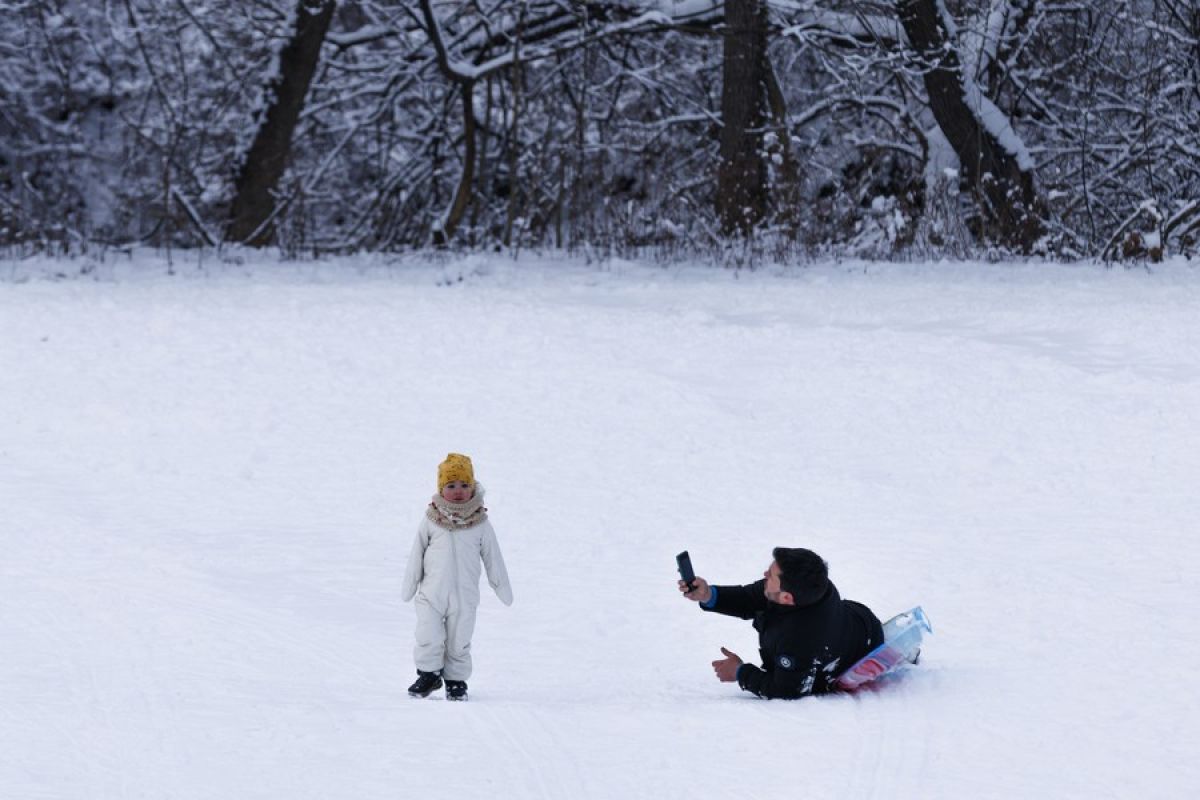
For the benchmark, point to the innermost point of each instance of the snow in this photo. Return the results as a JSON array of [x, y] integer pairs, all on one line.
[[885, 29], [211, 481]]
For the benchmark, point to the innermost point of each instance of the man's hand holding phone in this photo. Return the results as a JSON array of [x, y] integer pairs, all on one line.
[[700, 594]]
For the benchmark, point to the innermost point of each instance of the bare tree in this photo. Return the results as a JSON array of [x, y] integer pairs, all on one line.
[[742, 172], [995, 164], [464, 80], [254, 206], [604, 124]]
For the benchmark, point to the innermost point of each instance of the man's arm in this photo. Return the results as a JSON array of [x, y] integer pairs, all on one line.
[[738, 601], [794, 671], [779, 683]]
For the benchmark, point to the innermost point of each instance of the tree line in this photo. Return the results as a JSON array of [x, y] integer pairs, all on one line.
[[1055, 127]]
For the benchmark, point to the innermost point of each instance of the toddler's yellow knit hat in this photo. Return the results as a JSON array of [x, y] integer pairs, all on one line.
[[456, 467]]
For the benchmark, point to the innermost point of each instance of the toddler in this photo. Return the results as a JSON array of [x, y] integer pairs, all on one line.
[[443, 575]]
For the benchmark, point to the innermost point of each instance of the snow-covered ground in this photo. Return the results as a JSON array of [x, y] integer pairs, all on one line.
[[210, 483]]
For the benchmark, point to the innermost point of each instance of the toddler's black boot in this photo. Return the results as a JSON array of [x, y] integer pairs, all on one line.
[[425, 683], [456, 690]]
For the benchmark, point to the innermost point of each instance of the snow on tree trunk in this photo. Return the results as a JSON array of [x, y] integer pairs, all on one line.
[[995, 165]]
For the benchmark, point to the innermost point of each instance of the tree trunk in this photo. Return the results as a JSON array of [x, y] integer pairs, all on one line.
[[1005, 191], [444, 230], [742, 173], [254, 200]]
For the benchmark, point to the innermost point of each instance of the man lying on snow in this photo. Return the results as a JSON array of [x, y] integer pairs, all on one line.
[[807, 634]]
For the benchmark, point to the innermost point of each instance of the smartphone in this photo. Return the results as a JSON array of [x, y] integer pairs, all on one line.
[[684, 562]]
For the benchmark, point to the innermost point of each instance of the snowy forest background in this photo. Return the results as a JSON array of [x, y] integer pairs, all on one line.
[[927, 127]]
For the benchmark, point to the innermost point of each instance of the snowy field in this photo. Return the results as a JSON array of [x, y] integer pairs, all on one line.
[[210, 483]]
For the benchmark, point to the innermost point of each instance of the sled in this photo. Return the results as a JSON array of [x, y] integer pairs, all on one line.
[[902, 636]]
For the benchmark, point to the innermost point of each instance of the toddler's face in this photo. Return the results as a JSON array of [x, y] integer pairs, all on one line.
[[458, 491]]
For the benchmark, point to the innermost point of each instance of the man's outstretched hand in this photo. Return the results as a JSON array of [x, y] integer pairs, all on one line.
[[727, 667], [700, 594]]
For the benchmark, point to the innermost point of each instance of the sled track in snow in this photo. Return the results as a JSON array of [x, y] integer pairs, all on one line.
[[891, 758]]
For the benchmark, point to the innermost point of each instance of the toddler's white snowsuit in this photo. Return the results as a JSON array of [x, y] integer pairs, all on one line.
[[443, 574]]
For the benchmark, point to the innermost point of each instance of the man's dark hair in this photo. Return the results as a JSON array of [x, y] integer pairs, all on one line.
[[802, 573]]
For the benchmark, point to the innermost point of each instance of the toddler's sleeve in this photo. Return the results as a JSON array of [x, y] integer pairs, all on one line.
[[493, 562], [414, 572]]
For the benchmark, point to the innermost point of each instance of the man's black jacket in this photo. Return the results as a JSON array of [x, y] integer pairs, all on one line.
[[804, 648]]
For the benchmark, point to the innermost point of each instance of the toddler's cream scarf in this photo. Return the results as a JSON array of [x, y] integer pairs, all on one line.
[[458, 516]]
